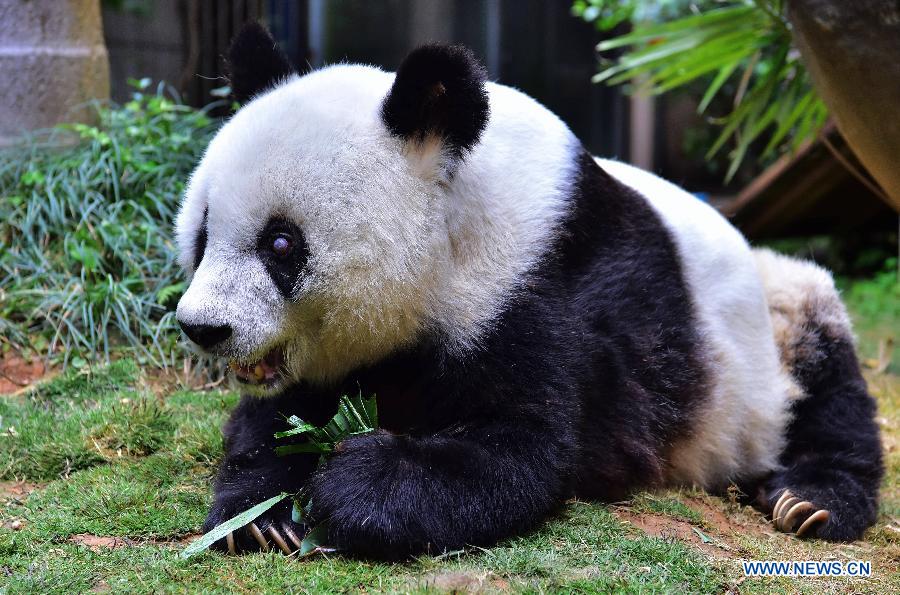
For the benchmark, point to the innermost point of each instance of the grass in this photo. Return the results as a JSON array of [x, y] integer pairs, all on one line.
[[874, 305], [119, 479]]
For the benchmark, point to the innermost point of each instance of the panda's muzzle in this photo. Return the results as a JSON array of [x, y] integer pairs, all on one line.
[[264, 371]]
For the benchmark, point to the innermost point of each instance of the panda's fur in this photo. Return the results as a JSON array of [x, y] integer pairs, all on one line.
[[535, 323]]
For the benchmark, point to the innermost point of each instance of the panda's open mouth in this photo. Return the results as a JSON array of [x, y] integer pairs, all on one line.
[[266, 371]]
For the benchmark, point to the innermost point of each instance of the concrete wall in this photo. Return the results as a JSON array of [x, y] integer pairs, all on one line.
[[52, 62]]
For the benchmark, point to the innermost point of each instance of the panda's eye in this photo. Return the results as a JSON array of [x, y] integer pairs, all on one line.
[[282, 245]]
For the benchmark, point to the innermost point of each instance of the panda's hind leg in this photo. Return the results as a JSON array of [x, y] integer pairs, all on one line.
[[828, 485], [831, 466]]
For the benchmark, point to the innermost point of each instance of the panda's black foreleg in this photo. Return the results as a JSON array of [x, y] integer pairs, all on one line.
[[388, 496], [251, 473], [832, 465]]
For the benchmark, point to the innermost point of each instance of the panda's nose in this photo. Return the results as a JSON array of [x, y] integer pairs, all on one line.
[[206, 335]]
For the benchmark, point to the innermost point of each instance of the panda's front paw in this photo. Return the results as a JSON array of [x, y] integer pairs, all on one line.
[[366, 496], [272, 529]]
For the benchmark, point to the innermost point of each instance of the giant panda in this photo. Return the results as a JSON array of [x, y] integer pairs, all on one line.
[[536, 324]]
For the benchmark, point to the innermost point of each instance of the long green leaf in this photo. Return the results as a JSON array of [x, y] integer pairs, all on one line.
[[230, 525], [711, 91], [707, 19], [306, 447]]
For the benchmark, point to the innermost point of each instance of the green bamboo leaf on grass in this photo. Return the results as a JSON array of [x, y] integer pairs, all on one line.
[[232, 524], [355, 416], [315, 539]]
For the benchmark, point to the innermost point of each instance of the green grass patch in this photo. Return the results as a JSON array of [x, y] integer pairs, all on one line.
[[135, 428], [874, 306], [123, 463], [91, 417], [666, 504], [585, 549]]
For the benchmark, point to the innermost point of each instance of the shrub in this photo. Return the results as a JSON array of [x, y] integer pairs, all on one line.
[[89, 260]]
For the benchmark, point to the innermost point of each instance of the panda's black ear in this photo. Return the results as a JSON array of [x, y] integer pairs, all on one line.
[[439, 90], [255, 63]]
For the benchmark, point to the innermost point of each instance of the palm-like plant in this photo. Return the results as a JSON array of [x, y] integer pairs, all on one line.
[[743, 41]]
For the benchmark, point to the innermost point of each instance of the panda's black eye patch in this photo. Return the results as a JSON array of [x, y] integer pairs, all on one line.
[[200, 243], [282, 249]]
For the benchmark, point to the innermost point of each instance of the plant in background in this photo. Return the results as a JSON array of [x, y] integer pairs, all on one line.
[[747, 41], [88, 264]]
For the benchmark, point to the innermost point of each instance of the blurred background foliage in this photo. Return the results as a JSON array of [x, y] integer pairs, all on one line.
[[86, 213], [739, 49]]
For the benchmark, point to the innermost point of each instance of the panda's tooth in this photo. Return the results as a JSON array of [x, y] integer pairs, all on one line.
[[259, 372]]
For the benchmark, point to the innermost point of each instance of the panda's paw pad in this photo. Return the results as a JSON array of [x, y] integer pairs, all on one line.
[[284, 538], [789, 509]]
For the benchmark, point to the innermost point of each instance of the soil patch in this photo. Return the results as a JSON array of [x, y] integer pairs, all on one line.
[[17, 373], [712, 543], [744, 519], [464, 582], [17, 490], [99, 542]]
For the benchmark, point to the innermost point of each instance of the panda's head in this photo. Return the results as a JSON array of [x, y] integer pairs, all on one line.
[[313, 229]]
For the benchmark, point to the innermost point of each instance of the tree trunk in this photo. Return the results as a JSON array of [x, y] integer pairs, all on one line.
[[852, 50]]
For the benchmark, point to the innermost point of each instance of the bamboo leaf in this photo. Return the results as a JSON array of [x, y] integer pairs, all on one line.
[[775, 95], [306, 447], [708, 20], [303, 428], [230, 525], [315, 539], [797, 108], [711, 91]]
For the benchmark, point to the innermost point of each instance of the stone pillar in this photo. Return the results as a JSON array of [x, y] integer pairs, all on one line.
[[52, 61]]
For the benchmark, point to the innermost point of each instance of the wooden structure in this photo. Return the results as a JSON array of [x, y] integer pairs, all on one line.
[[823, 189]]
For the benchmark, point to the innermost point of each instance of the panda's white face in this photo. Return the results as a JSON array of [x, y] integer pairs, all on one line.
[[341, 215], [323, 233]]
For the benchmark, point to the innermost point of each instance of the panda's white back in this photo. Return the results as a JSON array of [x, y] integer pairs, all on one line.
[[741, 431]]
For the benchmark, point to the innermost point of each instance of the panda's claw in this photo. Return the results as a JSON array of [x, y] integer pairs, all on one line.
[[776, 511], [291, 535], [816, 517], [229, 541], [780, 517], [279, 540], [789, 508], [791, 515], [258, 536]]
